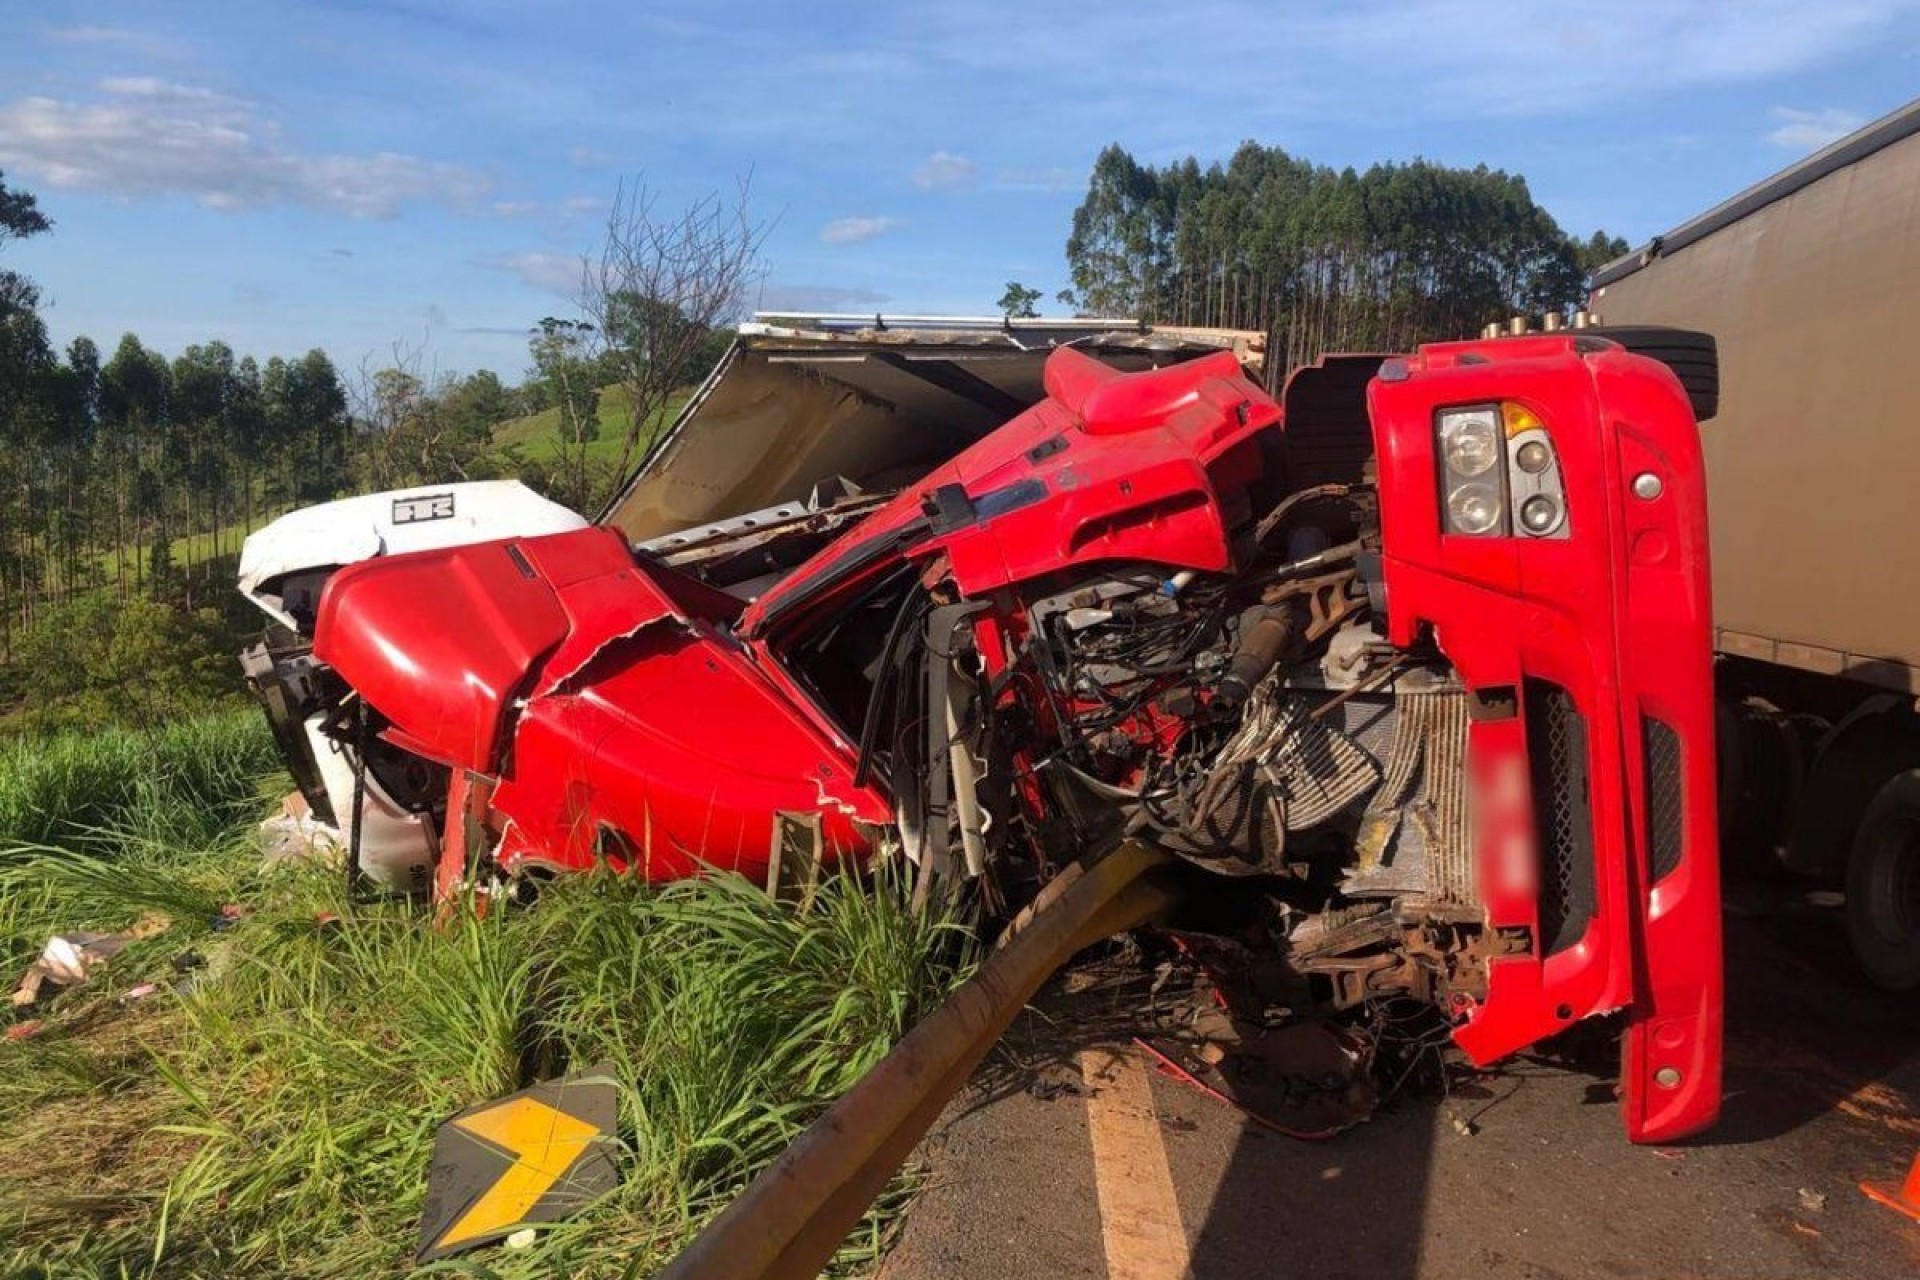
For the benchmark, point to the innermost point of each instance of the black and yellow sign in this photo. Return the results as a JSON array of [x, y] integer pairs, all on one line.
[[535, 1156]]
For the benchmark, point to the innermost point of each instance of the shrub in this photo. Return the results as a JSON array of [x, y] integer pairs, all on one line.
[[98, 660]]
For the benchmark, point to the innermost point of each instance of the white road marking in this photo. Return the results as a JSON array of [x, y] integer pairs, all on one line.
[[1140, 1224]]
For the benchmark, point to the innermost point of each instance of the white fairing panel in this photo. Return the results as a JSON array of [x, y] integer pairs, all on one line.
[[398, 521]]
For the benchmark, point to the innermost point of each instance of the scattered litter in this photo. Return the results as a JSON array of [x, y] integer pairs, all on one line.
[[1463, 1126], [69, 959], [198, 968], [1806, 1229], [140, 992], [297, 836], [26, 1030], [1668, 1153], [1812, 1201], [1078, 981], [1057, 1083], [523, 1238]]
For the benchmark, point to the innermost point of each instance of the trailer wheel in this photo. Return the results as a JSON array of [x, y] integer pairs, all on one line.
[[1746, 767], [1693, 356], [1883, 886]]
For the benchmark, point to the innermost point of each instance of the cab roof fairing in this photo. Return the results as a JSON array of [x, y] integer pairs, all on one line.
[[349, 530]]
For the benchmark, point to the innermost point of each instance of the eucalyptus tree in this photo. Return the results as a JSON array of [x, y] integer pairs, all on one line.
[[1321, 258]]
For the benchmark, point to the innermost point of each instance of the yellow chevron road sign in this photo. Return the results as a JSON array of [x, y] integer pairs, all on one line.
[[535, 1156]]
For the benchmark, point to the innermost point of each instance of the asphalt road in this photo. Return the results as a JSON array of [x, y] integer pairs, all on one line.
[[1823, 1089]]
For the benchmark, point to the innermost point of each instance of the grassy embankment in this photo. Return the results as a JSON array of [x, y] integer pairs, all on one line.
[[535, 438], [539, 436], [271, 1110], [539, 442]]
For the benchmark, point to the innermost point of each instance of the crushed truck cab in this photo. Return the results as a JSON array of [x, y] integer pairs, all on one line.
[[1410, 665]]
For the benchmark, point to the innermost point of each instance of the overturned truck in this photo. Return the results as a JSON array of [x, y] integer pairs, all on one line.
[[1411, 662]]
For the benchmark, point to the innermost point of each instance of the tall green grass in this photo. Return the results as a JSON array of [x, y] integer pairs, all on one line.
[[75, 806], [188, 781], [275, 1117]]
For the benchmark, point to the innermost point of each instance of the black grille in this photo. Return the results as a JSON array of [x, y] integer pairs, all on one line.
[[1660, 749], [1563, 813]]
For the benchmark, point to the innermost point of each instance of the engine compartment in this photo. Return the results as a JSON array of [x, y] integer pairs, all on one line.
[[1251, 718]]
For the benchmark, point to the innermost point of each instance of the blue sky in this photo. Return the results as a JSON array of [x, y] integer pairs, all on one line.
[[357, 173]]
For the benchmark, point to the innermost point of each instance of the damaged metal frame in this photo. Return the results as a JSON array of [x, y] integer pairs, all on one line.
[[1158, 604]]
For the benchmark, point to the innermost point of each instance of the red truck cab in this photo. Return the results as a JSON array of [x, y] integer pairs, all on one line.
[[1440, 729]]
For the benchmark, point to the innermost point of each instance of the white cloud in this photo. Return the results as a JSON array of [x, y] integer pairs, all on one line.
[[148, 137], [816, 297], [494, 330], [1457, 59], [1811, 130], [571, 207], [554, 272], [856, 230], [139, 42], [945, 171], [588, 158], [1575, 56]]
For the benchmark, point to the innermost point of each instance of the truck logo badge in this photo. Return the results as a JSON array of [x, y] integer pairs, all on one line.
[[431, 506]]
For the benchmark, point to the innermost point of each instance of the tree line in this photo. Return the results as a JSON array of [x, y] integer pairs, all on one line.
[[129, 479], [1321, 259], [130, 475], [132, 478]]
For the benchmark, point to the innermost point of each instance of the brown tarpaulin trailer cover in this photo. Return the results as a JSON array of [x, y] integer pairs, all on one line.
[[1807, 280]]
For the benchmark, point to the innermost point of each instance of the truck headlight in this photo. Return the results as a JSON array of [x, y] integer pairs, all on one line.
[[1471, 445], [1539, 514], [1476, 509], [1533, 457], [1534, 485], [1499, 473]]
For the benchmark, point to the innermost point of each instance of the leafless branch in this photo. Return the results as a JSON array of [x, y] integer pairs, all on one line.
[[660, 285]]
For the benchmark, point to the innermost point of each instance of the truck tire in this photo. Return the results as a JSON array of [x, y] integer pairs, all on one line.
[[1693, 356], [1883, 886], [1759, 775]]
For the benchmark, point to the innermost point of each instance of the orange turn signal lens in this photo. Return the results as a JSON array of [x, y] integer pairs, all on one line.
[[1517, 418]]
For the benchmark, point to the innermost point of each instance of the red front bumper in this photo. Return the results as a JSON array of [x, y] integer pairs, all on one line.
[[1592, 744]]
